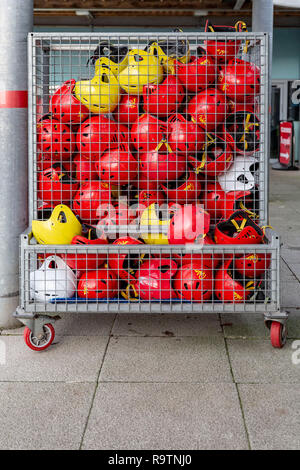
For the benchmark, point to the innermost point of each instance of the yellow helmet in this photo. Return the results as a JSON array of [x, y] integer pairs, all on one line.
[[142, 69], [101, 94], [168, 52], [110, 56], [59, 229], [153, 217]]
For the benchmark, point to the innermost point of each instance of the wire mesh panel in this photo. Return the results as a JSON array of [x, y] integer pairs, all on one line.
[[148, 174], [162, 118], [144, 278]]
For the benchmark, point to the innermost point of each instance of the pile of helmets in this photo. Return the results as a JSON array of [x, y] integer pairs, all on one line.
[[163, 140]]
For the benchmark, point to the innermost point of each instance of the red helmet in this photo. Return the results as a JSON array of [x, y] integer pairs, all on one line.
[[184, 136], [65, 107], [149, 133], [222, 205], [184, 190], [163, 98], [208, 108], [88, 198], [231, 290], [154, 279], [214, 199], [225, 49], [161, 167], [55, 186], [127, 110], [238, 229], [194, 282], [198, 73], [100, 284], [207, 260], [113, 215], [242, 132], [117, 166], [84, 169], [252, 265], [189, 223], [55, 139], [142, 182], [239, 80], [146, 198], [236, 200], [123, 134], [95, 135], [214, 158], [85, 261], [125, 264]]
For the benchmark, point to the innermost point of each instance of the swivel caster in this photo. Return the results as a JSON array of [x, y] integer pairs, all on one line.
[[278, 334], [42, 341]]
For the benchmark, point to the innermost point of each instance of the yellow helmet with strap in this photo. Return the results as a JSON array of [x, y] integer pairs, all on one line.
[[101, 94], [59, 229], [143, 68]]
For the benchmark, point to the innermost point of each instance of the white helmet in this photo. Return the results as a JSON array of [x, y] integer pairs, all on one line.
[[240, 176], [53, 280]]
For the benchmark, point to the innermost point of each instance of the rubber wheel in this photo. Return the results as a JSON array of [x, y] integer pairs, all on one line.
[[278, 334], [41, 342]]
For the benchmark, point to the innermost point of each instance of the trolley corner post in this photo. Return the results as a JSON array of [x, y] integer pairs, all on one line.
[[16, 22]]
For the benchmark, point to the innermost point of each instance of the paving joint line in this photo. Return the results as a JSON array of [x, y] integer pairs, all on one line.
[[293, 273], [236, 386], [97, 383]]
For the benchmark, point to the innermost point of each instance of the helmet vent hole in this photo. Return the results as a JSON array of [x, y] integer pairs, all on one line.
[[242, 179], [164, 268], [138, 58], [62, 217]]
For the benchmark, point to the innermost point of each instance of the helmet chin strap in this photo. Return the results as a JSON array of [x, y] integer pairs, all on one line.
[[211, 140], [250, 285], [163, 142], [250, 213], [247, 128], [127, 293], [240, 227], [244, 29]]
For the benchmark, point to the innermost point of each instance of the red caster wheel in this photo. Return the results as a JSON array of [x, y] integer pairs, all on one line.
[[278, 334], [42, 341]]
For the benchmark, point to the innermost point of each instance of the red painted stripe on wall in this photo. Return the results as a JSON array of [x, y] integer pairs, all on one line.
[[14, 99]]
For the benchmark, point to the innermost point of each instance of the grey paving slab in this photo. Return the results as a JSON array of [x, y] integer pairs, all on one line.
[[253, 326], [290, 255], [43, 415], [256, 361], [13, 331], [272, 415], [290, 294], [296, 269], [85, 324], [250, 325], [75, 359], [136, 359], [286, 274], [165, 416], [167, 325]]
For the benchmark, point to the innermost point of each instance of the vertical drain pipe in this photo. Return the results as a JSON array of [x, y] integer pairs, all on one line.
[[16, 20]]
